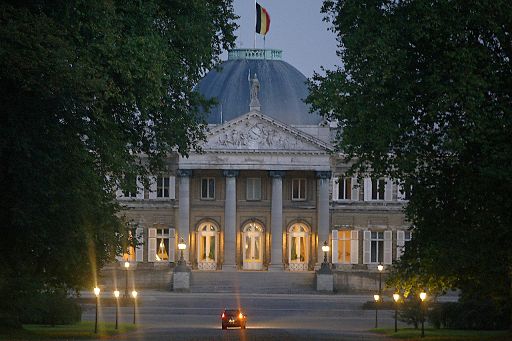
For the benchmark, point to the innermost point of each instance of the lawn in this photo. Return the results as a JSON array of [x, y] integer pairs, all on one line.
[[445, 334], [82, 330]]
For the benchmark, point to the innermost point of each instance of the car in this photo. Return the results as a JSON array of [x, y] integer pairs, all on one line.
[[233, 318]]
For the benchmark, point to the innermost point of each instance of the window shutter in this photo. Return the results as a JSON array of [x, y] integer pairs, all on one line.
[[139, 251], [400, 243], [388, 190], [172, 245], [367, 245], [119, 191], [151, 245], [335, 246], [367, 190], [172, 187], [354, 247], [335, 189], [388, 253], [140, 189], [355, 190], [152, 187]]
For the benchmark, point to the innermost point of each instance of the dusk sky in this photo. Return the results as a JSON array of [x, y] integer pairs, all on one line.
[[296, 27]]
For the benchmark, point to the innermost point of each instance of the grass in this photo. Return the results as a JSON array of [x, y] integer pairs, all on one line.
[[82, 330], [445, 334]]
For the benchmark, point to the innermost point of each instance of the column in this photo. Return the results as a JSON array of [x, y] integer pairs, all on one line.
[[276, 221], [183, 227], [323, 180], [230, 221]]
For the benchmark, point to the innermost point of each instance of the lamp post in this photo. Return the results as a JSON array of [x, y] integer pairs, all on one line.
[[423, 297], [181, 246], [126, 266], [97, 294], [325, 249], [116, 294], [134, 295], [377, 299], [380, 267], [396, 297]]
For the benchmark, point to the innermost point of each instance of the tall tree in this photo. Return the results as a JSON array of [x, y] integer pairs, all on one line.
[[425, 95], [87, 87]]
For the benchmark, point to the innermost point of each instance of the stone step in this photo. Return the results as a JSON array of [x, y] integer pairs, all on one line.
[[252, 282]]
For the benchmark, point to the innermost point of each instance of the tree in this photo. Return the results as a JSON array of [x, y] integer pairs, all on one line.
[[424, 96], [87, 88]]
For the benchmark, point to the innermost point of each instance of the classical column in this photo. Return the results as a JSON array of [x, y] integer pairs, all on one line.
[[230, 221], [323, 179], [183, 227], [276, 222]]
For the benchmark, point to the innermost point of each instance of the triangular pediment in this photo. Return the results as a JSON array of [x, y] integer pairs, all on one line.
[[257, 133]]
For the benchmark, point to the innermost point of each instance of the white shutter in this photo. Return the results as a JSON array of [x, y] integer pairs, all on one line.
[[354, 247], [367, 246], [355, 190], [388, 190], [151, 245], [140, 189], [335, 246], [172, 245], [139, 251], [152, 187], [335, 189], [388, 253], [367, 189], [172, 187], [400, 243]]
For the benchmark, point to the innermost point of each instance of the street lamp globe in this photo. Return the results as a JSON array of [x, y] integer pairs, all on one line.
[[134, 294], [96, 291], [380, 267], [396, 297], [182, 245], [126, 265], [325, 247], [423, 296], [376, 297], [116, 293]]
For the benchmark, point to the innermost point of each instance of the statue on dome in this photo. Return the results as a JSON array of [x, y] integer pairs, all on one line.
[[255, 89]]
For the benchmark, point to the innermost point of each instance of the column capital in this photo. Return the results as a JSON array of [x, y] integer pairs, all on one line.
[[323, 174], [276, 173], [184, 172], [231, 173]]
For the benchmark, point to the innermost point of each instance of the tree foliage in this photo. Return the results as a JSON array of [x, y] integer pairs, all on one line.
[[87, 87], [424, 95]]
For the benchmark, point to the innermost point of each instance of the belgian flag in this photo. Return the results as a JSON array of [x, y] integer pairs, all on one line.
[[262, 20]]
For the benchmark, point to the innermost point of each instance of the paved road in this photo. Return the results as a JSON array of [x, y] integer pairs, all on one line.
[[183, 316]]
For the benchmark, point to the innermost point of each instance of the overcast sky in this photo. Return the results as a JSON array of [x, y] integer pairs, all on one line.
[[296, 27]]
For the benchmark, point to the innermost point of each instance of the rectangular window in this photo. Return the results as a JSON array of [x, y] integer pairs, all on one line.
[[344, 188], [162, 187], [253, 189], [132, 192], [377, 247], [344, 242], [404, 191], [162, 245], [208, 188], [129, 254], [378, 188], [298, 189]]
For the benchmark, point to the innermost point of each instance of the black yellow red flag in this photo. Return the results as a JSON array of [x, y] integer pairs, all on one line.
[[262, 20]]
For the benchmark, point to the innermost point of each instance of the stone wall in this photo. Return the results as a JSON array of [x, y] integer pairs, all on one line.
[[149, 278], [357, 281]]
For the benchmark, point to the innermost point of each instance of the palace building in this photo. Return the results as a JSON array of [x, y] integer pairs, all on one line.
[[267, 190]]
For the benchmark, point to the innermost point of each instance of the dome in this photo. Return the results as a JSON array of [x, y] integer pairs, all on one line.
[[282, 88]]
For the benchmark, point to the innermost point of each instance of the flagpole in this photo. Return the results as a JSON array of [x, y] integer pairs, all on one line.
[[255, 15]]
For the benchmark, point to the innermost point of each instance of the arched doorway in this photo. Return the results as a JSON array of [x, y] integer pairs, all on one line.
[[252, 237], [207, 246], [298, 247]]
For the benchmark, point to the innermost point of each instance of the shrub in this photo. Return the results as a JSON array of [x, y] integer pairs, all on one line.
[[410, 312], [51, 307]]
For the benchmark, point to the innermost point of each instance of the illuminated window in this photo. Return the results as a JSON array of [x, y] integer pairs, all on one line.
[[129, 255], [162, 245], [298, 189], [208, 188], [253, 189], [344, 241]]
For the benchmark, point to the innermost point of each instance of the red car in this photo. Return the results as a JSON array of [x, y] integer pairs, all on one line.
[[233, 318]]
